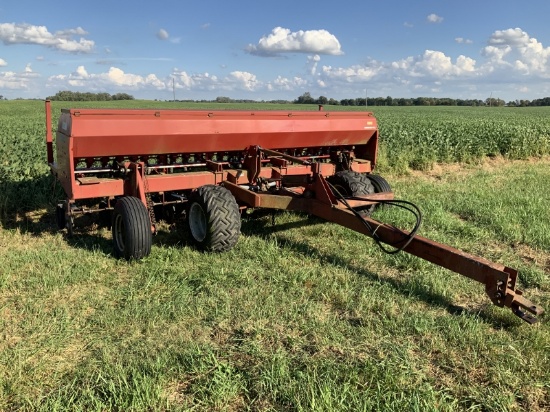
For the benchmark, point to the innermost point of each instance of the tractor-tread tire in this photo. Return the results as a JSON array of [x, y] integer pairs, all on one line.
[[131, 228], [350, 183], [222, 218], [380, 184]]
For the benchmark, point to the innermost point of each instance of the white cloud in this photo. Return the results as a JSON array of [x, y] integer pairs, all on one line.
[[242, 81], [465, 64], [11, 33], [3, 62], [114, 78], [81, 72], [431, 71], [512, 60], [437, 65], [515, 49], [68, 33], [434, 64], [282, 40], [353, 74], [285, 84], [10, 80], [18, 81], [312, 62], [235, 81], [201, 82], [162, 34], [434, 18], [496, 54], [512, 37], [461, 40], [117, 79]]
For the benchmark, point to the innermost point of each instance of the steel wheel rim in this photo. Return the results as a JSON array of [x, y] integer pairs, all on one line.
[[120, 238], [197, 222]]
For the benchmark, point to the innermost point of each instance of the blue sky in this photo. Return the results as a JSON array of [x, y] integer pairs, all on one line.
[[276, 50]]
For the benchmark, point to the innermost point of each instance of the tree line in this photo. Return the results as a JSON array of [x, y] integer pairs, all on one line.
[[68, 96], [306, 98]]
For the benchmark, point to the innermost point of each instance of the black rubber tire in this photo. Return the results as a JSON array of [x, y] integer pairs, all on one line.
[[380, 184], [60, 216], [213, 219], [131, 228], [349, 183]]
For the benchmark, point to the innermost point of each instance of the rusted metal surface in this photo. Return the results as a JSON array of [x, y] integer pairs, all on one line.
[[185, 149], [145, 132]]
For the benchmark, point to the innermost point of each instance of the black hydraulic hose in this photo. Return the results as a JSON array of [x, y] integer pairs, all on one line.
[[404, 204]]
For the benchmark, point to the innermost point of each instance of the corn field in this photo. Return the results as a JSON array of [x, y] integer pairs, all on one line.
[[410, 138], [418, 137]]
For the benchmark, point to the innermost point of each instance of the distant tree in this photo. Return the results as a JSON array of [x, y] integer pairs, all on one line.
[[541, 102], [404, 102], [223, 99], [103, 97], [305, 99], [494, 102], [278, 101], [122, 96], [322, 100]]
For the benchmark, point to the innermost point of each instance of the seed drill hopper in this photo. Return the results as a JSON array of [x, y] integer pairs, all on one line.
[[134, 167]]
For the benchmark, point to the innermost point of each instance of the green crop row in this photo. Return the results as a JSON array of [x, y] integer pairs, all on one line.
[[418, 137], [410, 138]]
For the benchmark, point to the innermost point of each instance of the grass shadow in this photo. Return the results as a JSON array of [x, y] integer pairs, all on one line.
[[30, 208], [404, 285], [36, 216]]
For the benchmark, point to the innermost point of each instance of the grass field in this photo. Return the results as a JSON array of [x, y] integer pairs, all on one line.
[[302, 315]]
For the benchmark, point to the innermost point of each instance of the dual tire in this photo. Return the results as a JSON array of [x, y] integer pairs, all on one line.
[[213, 223], [213, 216], [348, 183], [213, 219]]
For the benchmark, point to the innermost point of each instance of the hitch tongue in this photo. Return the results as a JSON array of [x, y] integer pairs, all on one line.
[[500, 285], [520, 306]]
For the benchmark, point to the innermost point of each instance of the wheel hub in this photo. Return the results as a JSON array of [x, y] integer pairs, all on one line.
[[197, 222]]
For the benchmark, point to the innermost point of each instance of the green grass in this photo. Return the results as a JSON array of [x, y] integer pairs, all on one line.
[[302, 315]]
